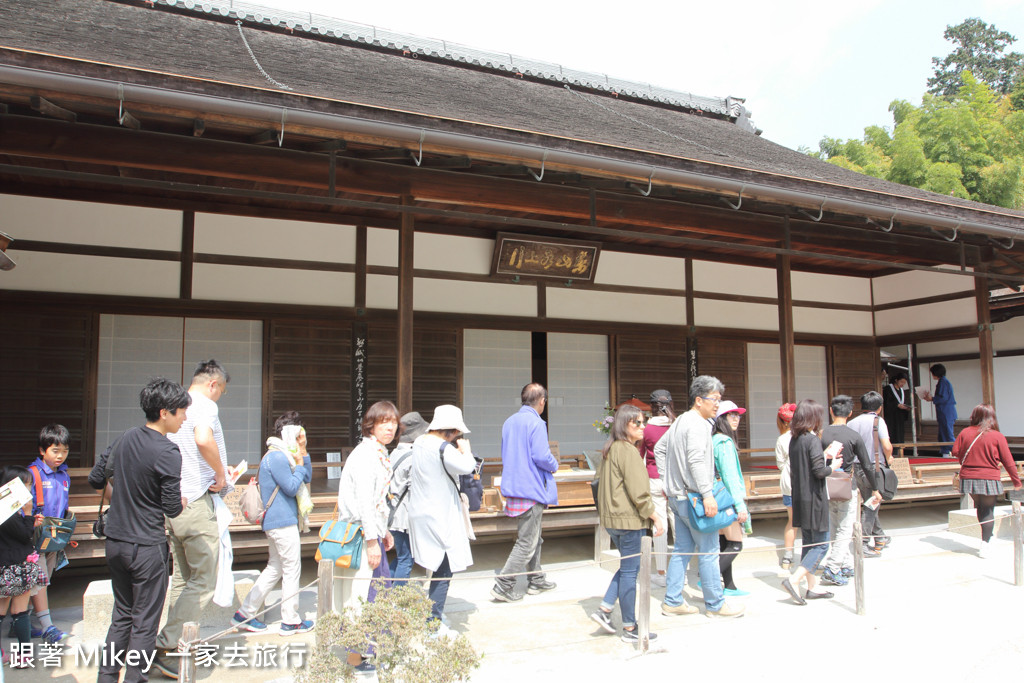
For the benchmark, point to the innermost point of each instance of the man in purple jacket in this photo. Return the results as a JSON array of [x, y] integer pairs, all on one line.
[[527, 466]]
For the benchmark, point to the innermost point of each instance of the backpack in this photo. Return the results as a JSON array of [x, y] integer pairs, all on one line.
[[251, 502]]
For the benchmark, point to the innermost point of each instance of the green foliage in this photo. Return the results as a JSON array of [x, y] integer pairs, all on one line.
[[979, 50], [407, 647]]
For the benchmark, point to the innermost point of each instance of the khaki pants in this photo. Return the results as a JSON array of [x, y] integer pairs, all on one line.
[[195, 542]]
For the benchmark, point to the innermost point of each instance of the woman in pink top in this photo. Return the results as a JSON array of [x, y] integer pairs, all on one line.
[[980, 448], [662, 415]]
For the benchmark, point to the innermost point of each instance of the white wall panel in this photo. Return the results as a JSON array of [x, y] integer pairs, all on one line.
[[764, 391], [832, 288], [728, 278], [40, 272], [272, 285], [832, 321], [1008, 336], [918, 284], [382, 247], [577, 390], [382, 292], [444, 252], [58, 220], [735, 314], [579, 304], [486, 298], [926, 317], [1010, 394], [965, 378], [274, 238], [640, 270], [952, 347]]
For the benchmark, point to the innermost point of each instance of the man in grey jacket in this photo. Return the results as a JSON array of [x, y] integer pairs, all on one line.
[[686, 464]]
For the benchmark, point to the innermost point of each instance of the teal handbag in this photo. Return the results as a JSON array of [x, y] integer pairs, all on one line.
[[726, 510]]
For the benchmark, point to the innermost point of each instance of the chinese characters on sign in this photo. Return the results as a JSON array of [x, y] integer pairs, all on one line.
[[206, 655], [562, 259], [359, 334]]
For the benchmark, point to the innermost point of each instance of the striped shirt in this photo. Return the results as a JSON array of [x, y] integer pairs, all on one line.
[[196, 475]]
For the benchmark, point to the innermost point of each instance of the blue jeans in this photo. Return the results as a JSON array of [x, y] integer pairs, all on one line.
[[688, 541], [438, 591], [401, 566], [811, 557], [623, 584]]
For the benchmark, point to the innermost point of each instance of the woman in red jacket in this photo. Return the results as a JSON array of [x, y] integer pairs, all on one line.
[[980, 448]]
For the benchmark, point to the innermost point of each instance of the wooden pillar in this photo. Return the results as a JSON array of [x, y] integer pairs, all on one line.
[[188, 239], [785, 294], [406, 240], [981, 294]]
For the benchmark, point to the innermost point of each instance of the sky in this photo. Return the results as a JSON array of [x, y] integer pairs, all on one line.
[[807, 69]]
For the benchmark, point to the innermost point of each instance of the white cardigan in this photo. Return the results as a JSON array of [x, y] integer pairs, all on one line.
[[436, 525], [363, 479]]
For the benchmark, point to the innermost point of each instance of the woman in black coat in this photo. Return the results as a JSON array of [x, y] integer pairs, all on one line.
[[810, 500]]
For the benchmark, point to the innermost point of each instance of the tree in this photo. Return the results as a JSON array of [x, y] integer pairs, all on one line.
[[979, 49]]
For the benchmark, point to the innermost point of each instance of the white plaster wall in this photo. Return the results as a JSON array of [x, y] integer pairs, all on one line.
[[926, 317], [964, 376], [764, 386], [448, 252], [485, 298], [811, 374], [59, 220], [831, 288], [1008, 336], [497, 364], [640, 270], [382, 247], [918, 284], [727, 278], [274, 238], [577, 390], [952, 347], [382, 292], [735, 314], [581, 304], [832, 321], [272, 285], [1010, 394], [41, 272]]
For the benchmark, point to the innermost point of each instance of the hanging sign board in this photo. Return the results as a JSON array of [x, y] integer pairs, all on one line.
[[545, 257]]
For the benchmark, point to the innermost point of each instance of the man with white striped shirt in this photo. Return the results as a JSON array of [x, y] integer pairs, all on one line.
[[194, 534]]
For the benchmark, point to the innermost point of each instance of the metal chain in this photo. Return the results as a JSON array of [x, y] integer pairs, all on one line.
[[255, 61]]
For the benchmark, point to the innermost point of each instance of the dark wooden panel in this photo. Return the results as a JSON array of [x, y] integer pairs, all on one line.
[[855, 370], [435, 366], [644, 363], [308, 365], [726, 359], [47, 374]]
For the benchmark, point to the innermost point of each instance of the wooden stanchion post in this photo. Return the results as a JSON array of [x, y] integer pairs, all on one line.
[[858, 559], [1018, 545], [643, 595], [187, 664], [324, 588]]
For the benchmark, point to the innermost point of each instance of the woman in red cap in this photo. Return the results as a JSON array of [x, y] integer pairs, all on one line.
[[785, 416]]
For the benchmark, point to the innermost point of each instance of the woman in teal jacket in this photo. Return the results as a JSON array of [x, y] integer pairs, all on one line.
[[727, 465]]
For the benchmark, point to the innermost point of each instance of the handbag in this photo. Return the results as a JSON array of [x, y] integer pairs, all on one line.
[[839, 485], [888, 480], [55, 533], [726, 509], [341, 542], [465, 504]]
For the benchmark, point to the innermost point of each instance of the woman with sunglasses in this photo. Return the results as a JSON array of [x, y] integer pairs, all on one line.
[[626, 510]]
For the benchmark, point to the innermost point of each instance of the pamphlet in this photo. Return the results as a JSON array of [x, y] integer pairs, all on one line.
[[13, 496], [236, 471], [872, 504], [923, 393]]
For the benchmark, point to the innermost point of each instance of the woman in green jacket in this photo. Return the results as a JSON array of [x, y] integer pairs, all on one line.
[[625, 506], [727, 465]]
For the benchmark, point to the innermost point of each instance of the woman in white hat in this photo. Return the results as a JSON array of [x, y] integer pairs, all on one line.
[[727, 465], [437, 526]]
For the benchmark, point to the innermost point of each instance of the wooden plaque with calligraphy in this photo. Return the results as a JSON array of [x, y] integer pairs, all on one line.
[[545, 257]]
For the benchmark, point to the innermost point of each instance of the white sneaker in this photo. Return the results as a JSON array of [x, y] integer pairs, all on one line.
[[658, 580], [984, 550]]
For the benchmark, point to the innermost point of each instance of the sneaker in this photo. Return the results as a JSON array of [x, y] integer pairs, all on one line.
[[632, 637], [735, 592], [882, 542], [677, 610], [502, 594], [847, 572], [53, 635], [727, 611], [787, 561], [444, 631], [658, 580], [869, 551], [292, 629], [166, 665], [540, 586], [984, 550], [830, 578], [364, 667], [243, 623], [604, 620]]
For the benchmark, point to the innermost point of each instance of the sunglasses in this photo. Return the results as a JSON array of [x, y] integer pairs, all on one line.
[[638, 423]]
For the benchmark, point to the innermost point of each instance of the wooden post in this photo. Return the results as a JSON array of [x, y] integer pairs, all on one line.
[[187, 664], [981, 294], [643, 595], [1018, 545], [858, 559], [406, 243], [602, 542], [787, 353], [324, 588]]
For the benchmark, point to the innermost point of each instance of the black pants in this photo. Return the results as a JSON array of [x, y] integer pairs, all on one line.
[[138, 576]]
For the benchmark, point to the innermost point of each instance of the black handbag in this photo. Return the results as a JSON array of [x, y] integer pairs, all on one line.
[[887, 479]]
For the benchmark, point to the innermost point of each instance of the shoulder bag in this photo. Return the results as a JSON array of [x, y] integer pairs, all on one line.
[[55, 532], [886, 478], [464, 501], [726, 509], [342, 543]]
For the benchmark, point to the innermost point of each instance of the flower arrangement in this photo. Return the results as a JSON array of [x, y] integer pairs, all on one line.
[[604, 423]]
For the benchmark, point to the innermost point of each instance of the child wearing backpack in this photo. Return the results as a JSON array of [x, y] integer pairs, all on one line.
[[49, 489]]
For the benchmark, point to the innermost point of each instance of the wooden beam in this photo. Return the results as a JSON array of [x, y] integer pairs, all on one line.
[[786, 340], [266, 137], [988, 394], [328, 146], [129, 121], [48, 108], [198, 127], [360, 268], [406, 242], [188, 242]]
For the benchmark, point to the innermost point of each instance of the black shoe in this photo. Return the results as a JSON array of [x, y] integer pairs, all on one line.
[[166, 665], [502, 594], [788, 585], [824, 595], [540, 586]]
